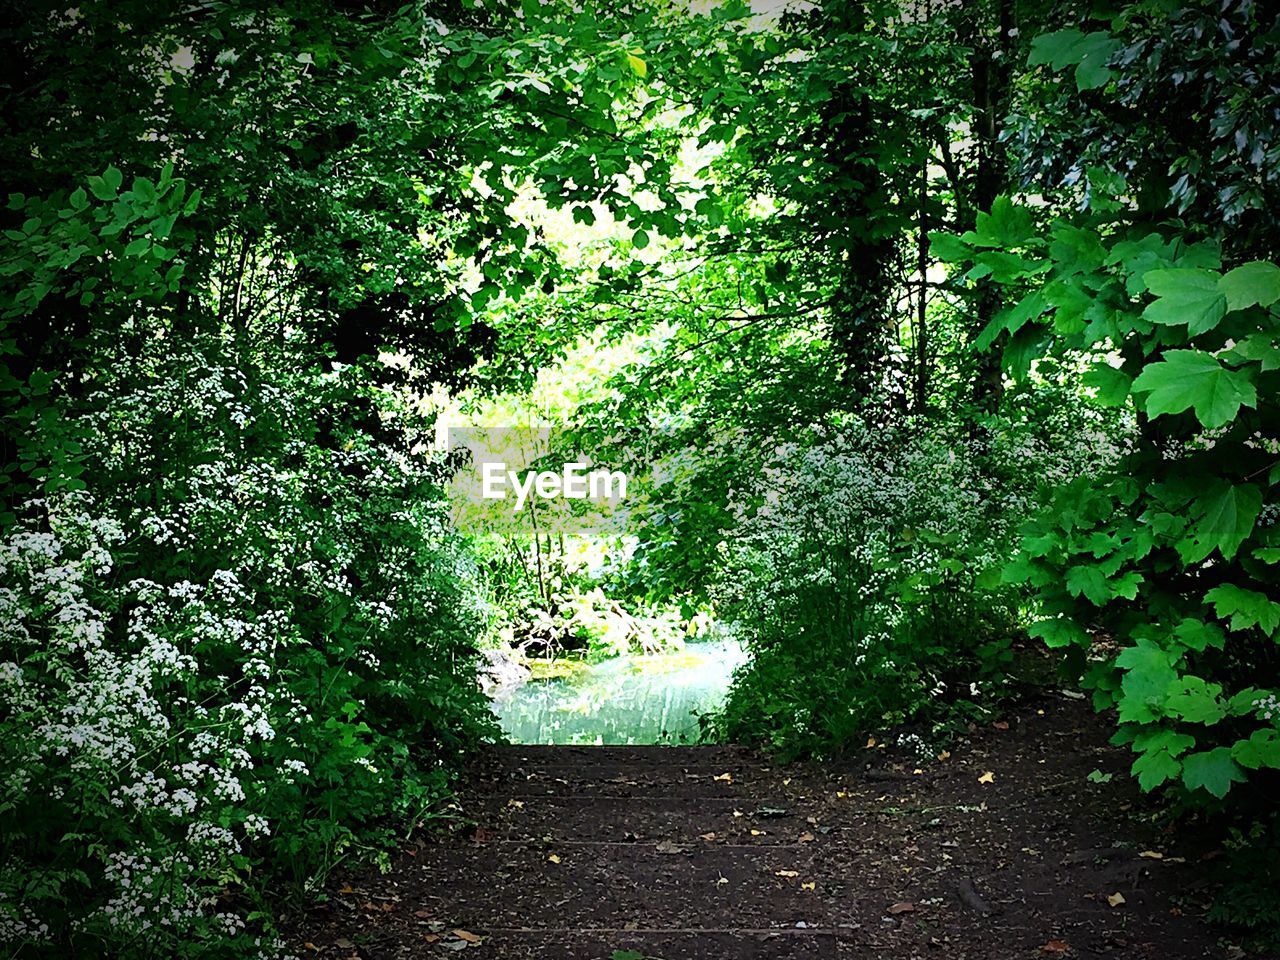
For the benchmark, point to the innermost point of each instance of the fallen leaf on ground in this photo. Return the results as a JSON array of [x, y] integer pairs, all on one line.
[[342, 943], [808, 886], [807, 837], [1116, 899], [516, 804], [1152, 854], [724, 778], [898, 908], [554, 858], [871, 742], [787, 873], [987, 777], [1001, 724], [1055, 948], [468, 936], [707, 836], [667, 846], [945, 755]]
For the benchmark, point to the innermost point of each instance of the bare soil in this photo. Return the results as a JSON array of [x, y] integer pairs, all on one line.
[[1003, 848]]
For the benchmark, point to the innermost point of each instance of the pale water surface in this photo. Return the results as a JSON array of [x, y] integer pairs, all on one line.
[[630, 699]]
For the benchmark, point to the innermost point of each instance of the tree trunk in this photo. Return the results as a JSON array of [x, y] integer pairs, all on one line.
[[990, 65]]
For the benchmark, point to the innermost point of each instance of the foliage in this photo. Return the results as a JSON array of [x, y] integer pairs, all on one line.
[[252, 258], [1172, 554], [860, 573], [198, 658]]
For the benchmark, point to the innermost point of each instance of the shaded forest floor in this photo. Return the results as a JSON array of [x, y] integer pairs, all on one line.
[[693, 853]]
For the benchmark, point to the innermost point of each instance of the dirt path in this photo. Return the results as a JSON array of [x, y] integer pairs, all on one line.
[[696, 853]]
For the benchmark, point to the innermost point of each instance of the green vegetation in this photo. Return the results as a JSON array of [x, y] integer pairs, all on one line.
[[928, 335]]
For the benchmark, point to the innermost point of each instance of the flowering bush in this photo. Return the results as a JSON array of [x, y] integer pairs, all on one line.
[[863, 572], [194, 692]]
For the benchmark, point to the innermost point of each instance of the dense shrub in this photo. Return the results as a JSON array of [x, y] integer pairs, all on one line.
[[1173, 555], [238, 656], [862, 572]]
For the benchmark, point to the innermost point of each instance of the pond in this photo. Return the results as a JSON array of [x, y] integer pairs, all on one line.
[[629, 699]]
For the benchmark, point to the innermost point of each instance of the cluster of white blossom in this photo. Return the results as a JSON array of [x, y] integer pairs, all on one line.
[[877, 514], [100, 727], [170, 656]]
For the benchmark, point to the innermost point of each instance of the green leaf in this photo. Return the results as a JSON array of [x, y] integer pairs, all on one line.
[[1196, 701], [1244, 703], [709, 208], [1198, 635], [1260, 348], [1147, 681], [1006, 225], [1162, 738], [1188, 297], [1111, 383], [1193, 379], [1058, 49], [1060, 632], [1004, 267], [638, 66], [640, 239], [1088, 51], [949, 248], [99, 188], [1262, 749], [1090, 581], [1023, 349], [1246, 608], [1251, 283], [1211, 770], [1224, 518], [113, 179], [1011, 319], [1154, 768], [40, 381]]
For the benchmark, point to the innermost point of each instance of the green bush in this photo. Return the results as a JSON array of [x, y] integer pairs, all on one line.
[[1174, 555], [235, 627], [860, 574]]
